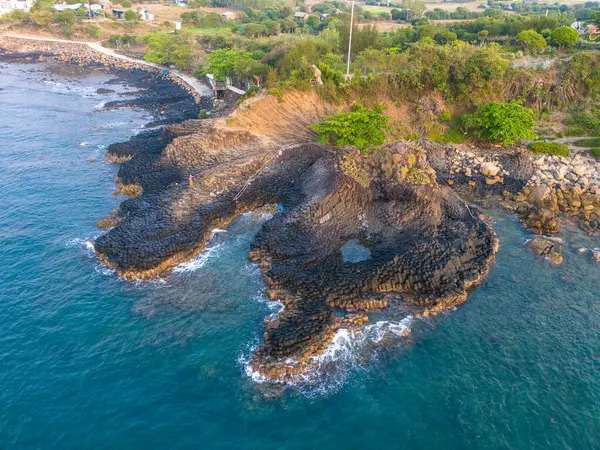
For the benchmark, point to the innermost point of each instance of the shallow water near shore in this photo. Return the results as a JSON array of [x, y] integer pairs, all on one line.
[[91, 361]]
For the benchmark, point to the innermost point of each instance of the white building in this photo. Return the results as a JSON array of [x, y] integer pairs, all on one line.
[[60, 7], [10, 5]]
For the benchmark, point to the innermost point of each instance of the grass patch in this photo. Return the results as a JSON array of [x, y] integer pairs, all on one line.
[[594, 142], [595, 152], [200, 31], [549, 148], [573, 132]]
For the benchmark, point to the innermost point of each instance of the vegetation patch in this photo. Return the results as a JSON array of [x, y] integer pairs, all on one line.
[[361, 128], [549, 148], [502, 122], [593, 142]]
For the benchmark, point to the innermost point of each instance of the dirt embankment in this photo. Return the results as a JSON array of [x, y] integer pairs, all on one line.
[[286, 118]]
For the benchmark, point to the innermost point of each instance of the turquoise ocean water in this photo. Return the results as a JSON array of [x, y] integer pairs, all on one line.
[[88, 361]]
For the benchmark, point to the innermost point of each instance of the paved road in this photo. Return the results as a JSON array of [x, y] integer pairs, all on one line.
[[199, 87]]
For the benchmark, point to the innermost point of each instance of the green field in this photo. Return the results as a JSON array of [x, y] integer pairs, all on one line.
[[376, 9], [216, 30]]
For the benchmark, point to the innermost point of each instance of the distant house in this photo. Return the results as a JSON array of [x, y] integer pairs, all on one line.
[[12, 5], [118, 13], [146, 15], [301, 15]]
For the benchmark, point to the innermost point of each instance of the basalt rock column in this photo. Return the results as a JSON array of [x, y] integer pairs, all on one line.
[[427, 248]]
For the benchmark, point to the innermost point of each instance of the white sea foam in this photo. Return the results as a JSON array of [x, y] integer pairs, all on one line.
[[346, 350], [86, 243], [104, 270], [108, 126], [199, 261], [100, 106]]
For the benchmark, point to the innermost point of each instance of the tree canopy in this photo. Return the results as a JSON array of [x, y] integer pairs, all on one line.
[[564, 36], [531, 39], [227, 62], [361, 128], [504, 122], [169, 48]]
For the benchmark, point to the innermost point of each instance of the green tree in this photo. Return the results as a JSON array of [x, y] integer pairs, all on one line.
[[504, 122], [41, 5], [41, 17], [361, 128], [483, 35], [226, 62], [531, 40], [313, 22], [131, 16], [564, 36], [170, 48], [413, 9]]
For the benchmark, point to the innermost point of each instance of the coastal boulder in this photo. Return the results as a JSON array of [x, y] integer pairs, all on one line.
[[546, 248]]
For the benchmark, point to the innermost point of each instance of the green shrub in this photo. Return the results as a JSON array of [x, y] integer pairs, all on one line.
[[502, 122], [131, 16], [594, 142], [549, 148], [278, 92], [126, 4], [595, 152], [451, 136], [361, 128], [571, 132], [445, 116]]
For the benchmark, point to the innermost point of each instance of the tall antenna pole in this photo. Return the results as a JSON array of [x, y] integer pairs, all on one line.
[[350, 40]]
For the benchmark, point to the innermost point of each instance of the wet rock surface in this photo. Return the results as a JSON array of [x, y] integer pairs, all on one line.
[[426, 246], [547, 248]]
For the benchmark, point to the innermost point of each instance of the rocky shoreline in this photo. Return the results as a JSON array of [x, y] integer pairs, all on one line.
[[404, 203], [14, 49]]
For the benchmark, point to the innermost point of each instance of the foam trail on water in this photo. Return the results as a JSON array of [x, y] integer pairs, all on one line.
[[199, 261], [346, 350]]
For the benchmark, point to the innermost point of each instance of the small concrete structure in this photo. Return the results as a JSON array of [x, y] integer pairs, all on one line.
[[118, 13], [301, 15], [147, 15]]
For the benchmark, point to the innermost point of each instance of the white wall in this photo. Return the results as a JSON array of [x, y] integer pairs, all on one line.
[[9, 5]]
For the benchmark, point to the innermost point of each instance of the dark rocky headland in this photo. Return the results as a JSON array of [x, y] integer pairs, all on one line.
[[403, 202], [427, 246]]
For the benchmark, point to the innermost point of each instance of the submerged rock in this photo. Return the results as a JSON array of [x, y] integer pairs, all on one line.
[[426, 246], [546, 248]]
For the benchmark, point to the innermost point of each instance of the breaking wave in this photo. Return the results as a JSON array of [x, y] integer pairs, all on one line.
[[199, 261], [347, 351]]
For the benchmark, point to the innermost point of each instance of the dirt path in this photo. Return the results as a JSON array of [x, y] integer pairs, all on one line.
[[199, 87]]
